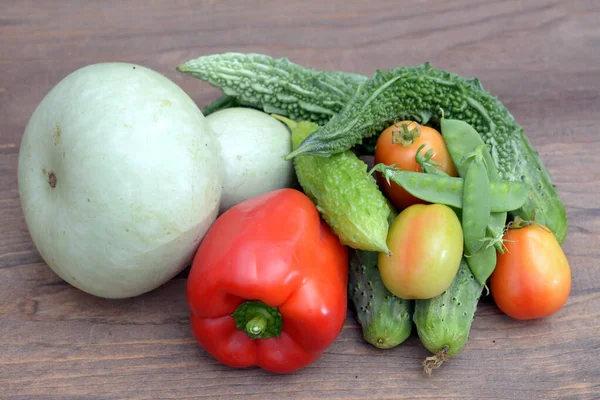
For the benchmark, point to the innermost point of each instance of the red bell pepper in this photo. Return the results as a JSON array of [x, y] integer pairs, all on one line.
[[268, 284]]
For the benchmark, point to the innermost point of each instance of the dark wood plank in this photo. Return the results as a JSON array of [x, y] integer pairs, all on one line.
[[541, 58]]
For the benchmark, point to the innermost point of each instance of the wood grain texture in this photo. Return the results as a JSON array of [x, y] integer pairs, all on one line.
[[541, 58]]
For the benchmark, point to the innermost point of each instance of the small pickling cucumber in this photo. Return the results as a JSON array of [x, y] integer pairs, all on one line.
[[386, 320], [347, 196], [443, 322]]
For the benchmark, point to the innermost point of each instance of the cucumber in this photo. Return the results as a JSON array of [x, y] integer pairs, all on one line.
[[443, 322], [346, 196], [386, 320]]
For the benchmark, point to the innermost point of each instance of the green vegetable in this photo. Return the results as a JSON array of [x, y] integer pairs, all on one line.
[[434, 188], [347, 196], [483, 263], [386, 320], [221, 103], [476, 204], [476, 217], [443, 322], [420, 93], [276, 85], [417, 93], [462, 139]]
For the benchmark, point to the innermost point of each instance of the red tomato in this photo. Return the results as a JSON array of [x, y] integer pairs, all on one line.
[[532, 278], [403, 156], [427, 245]]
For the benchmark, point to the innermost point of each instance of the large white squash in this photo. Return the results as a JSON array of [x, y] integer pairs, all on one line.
[[119, 179]]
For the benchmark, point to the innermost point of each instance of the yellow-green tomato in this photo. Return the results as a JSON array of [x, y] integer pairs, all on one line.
[[426, 242]]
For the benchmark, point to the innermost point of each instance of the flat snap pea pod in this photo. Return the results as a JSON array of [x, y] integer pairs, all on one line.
[[482, 263], [443, 322], [505, 195], [461, 138], [346, 196], [476, 204], [386, 320]]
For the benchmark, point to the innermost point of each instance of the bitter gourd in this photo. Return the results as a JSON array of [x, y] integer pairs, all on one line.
[[277, 85], [386, 320], [347, 196], [353, 108], [421, 94], [443, 322]]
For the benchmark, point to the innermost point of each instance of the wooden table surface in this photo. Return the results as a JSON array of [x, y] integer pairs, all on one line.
[[541, 58]]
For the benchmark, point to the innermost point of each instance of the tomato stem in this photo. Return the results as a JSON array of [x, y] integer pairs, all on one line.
[[258, 320], [407, 134]]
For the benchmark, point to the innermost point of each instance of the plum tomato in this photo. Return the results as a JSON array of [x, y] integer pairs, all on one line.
[[426, 242], [532, 278]]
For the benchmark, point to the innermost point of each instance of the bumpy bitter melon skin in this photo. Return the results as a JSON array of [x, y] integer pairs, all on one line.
[[386, 320], [422, 93], [276, 85], [346, 196], [352, 108], [444, 322]]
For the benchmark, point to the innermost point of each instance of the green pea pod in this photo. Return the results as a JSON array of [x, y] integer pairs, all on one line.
[[495, 226], [476, 204], [434, 188], [482, 263], [461, 138]]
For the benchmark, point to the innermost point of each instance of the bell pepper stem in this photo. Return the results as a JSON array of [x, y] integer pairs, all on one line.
[[256, 325], [258, 320]]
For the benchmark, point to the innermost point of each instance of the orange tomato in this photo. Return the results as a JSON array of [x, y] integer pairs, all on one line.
[[403, 155], [532, 278]]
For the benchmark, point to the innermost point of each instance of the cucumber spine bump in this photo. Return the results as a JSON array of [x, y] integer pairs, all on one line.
[[386, 320], [444, 322]]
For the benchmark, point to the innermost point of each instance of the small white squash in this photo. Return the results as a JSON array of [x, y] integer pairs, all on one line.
[[253, 146], [119, 179]]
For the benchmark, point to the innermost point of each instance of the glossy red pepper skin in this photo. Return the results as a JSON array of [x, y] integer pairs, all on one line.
[[273, 248]]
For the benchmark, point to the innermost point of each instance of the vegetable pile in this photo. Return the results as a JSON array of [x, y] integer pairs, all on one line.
[[456, 198]]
